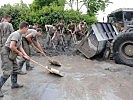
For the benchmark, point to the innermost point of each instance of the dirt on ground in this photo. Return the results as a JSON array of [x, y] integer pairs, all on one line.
[[84, 79]]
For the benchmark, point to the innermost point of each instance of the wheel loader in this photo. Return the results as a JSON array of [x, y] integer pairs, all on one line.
[[106, 39], [121, 18]]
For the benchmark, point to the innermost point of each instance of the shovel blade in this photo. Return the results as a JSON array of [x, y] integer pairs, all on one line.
[[54, 63], [56, 72]]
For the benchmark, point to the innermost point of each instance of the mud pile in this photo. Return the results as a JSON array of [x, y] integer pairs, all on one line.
[[61, 51]]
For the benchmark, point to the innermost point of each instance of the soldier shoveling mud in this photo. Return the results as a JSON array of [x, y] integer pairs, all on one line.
[[9, 52]]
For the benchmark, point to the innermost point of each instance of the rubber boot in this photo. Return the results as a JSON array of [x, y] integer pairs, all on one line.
[[20, 72], [2, 81], [21, 63], [14, 81], [28, 66]]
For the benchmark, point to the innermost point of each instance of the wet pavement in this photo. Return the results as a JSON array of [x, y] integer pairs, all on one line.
[[84, 80]]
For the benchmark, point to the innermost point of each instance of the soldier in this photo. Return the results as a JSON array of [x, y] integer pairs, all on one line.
[[49, 31], [51, 34], [61, 37], [9, 52], [54, 37], [6, 28], [79, 31], [30, 38], [71, 33], [60, 27], [85, 27]]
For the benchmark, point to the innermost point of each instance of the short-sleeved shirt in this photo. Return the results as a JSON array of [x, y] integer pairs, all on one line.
[[51, 31], [6, 28], [15, 36], [71, 27], [33, 32]]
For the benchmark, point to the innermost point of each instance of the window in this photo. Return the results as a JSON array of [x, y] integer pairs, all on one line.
[[128, 16]]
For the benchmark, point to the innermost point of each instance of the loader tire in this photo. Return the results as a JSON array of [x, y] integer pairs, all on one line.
[[123, 49]]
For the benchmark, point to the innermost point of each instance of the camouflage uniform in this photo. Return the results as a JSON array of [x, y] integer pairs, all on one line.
[[6, 30], [26, 47], [79, 32], [68, 36], [9, 65], [60, 35], [56, 40], [50, 33]]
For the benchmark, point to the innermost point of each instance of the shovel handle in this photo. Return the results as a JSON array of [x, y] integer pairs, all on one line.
[[42, 53], [51, 70], [40, 65]]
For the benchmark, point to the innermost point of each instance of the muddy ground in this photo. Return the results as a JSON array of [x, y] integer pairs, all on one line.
[[84, 80]]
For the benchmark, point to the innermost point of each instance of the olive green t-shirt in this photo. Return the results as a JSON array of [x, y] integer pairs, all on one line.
[[15, 36], [71, 27], [33, 32]]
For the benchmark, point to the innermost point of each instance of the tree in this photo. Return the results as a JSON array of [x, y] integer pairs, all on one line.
[[19, 12], [38, 4], [51, 14], [93, 6]]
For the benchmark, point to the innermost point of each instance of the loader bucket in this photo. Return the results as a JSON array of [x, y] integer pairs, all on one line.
[[95, 40]]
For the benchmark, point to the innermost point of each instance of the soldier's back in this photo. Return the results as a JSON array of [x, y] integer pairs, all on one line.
[[6, 28]]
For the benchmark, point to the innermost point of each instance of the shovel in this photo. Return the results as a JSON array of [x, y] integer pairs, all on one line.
[[51, 61], [51, 70]]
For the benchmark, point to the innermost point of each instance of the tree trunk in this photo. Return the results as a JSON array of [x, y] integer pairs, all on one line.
[[77, 5]]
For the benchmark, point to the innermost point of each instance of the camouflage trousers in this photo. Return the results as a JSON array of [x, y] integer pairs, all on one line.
[[79, 35], [48, 41], [68, 39], [26, 47], [8, 66], [59, 40]]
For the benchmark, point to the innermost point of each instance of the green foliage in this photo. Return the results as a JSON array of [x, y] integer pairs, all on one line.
[[39, 4], [51, 14], [61, 3], [54, 14], [93, 6], [18, 12], [77, 17]]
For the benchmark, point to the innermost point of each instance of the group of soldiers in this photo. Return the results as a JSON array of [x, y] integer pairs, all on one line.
[[60, 35], [18, 43], [14, 44]]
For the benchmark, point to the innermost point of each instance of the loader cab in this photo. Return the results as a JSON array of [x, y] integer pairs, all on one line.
[[121, 18]]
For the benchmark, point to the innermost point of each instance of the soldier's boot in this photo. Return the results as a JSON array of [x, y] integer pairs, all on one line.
[[14, 81], [2, 81], [20, 68], [28, 66]]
